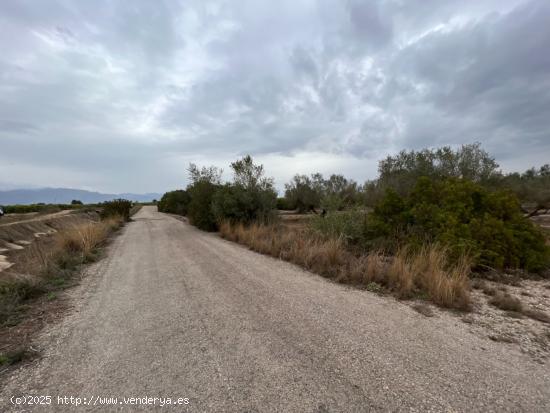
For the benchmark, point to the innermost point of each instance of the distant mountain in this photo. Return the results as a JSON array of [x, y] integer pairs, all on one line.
[[65, 196]]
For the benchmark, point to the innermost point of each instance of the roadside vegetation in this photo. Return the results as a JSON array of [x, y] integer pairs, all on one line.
[[49, 264], [41, 208], [421, 229], [45, 266]]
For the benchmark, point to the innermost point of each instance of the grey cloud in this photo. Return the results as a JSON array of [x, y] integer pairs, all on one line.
[[112, 90]]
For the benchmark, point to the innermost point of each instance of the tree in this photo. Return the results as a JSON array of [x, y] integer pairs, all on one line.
[[471, 162], [531, 187], [338, 193], [175, 202], [304, 193], [204, 184], [76, 202], [250, 197], [467, 218]]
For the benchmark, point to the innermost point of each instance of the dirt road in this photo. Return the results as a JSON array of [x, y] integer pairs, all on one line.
[[15, 219], [176, 312]]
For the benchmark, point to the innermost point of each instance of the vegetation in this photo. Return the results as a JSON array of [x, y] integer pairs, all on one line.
[[175, 202], [417, 230], [46, 208], [251, 196], [467, 218], [204, 184], [469, 162], [49, 265], [532, 186], [116, 207], [305, 194], [426, 272]]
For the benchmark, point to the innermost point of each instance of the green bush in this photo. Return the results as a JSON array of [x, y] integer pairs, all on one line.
[[249, 198], [115, 207], [175, 202], [350, 225], [304, 193], [199, 210], [283, 205], [401, 172], [466, 217]]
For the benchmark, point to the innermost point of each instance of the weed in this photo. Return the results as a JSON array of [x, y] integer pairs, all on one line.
[[50, 266], [426, 272], [7, 359], [374, 287], [506, 302], [423, 309]]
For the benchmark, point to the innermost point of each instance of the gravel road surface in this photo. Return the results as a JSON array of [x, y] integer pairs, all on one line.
[[175, 312]]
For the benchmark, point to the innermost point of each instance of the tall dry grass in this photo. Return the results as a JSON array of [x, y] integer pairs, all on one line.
[[48, 263], [84, 239], [429, 271], [426, 272]]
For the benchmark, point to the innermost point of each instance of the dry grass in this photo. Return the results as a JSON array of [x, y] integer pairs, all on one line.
[[83, 239], [428, 270], [47, 264], [425, 272], [506, 302]]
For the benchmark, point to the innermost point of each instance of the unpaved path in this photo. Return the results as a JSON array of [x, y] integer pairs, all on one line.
[[176, 312], [34, 218]]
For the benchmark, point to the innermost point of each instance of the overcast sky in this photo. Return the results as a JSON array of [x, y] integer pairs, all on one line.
[[120, 96]]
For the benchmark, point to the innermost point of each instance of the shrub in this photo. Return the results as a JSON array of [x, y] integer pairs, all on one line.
[[250, 197], [471, 162], [199, 210], [350, 225], [465, 217], [283, 204], [506, 302], [116, 207], [304, 193], [175, 202], [427, 271]]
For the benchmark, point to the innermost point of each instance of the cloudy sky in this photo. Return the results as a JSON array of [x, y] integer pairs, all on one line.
[[121, 95]]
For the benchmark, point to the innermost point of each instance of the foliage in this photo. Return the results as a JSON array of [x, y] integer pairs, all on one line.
[[116, 207], [303, 193], [470, 162], [306, 193], [351, 226], [76, 202], [532, 186], [25, 209], [204, 184], [338, 193], [467, 218], [175, 202], [250, 197], [283, 205]]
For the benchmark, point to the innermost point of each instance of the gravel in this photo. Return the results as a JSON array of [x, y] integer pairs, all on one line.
[[175, 312]]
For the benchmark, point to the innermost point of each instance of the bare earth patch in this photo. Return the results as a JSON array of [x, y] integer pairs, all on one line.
[[524, 329]]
